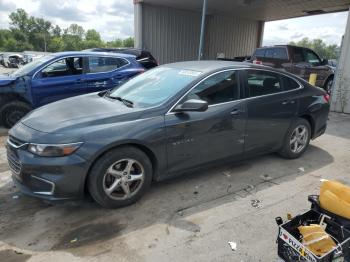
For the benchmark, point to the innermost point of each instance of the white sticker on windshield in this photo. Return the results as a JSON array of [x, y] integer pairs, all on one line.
[[189, 73]]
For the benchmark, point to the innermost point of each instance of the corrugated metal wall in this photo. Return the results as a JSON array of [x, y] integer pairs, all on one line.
[[173, 35], [170, 34], [231, 36]]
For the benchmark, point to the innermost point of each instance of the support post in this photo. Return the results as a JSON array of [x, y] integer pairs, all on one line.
[[341, 89], [138, 24], [201, 39]]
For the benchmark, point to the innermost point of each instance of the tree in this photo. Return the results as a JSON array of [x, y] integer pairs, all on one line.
[[128, 42], [32, 33], [320, 47]]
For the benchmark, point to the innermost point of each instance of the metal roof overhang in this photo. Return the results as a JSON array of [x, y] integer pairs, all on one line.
[[262, 10]]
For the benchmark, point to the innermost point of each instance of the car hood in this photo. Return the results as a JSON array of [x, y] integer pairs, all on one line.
[[6, 80], [80, 112]]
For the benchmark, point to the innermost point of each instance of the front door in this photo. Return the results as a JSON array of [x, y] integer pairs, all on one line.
[[60, 79], [199, 137]]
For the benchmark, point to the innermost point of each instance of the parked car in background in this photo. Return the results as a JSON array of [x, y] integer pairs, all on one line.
[[30, 56], [296, 60], [11, 60], [59, 76], [144, 57], [166, 121]]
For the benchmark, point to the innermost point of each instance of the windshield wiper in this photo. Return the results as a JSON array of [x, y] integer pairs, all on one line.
[[126, 102]]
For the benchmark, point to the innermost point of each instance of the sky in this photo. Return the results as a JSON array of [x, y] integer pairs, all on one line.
[[115, 19]]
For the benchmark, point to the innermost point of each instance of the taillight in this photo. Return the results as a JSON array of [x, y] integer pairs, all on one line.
[[326, 97], [257, 62]]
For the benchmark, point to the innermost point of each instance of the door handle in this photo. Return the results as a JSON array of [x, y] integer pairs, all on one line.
[[286, 102], [236, 112]]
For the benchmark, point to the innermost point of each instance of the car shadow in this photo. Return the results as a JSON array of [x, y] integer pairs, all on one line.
[[31, 224]]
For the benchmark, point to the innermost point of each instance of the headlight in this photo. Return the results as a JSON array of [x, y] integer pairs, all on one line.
[[53, 150]]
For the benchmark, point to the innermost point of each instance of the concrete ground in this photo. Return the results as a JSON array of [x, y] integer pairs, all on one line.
[[190, 218]]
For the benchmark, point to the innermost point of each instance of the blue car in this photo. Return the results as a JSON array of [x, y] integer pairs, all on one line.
[[62, 75]]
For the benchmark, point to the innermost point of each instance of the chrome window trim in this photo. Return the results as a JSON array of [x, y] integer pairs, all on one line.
[[169, 112], [47, 193], [60, 58]]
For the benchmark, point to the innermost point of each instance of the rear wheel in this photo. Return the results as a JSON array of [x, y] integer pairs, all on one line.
[[12, 112], [297, 139], [120, 177]]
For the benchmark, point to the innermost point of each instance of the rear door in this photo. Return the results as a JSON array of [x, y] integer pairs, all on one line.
[[105, 72], [60, 79], [271, 106], [199, 137]]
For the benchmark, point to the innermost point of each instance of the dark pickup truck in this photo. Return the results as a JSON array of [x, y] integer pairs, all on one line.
[[296, 60]]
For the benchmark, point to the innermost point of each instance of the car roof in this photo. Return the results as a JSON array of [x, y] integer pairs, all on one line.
[[86, 53], [207, 66]]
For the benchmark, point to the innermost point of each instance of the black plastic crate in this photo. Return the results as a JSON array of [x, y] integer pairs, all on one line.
[[315, 205], [290, 248]]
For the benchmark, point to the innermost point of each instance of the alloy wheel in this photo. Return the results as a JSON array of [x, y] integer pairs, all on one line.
[[298, 139], [123, 179]]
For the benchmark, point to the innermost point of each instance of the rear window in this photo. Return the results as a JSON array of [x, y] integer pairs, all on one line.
[[276, 53], [260, 53]]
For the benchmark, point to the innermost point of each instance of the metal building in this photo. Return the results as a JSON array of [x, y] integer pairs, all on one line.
[[171, 30]]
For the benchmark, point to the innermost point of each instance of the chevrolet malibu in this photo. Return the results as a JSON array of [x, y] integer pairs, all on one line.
[[170, 120]]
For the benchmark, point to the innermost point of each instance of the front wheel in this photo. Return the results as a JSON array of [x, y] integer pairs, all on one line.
[[297, 139], [120, 177], [12, 112]]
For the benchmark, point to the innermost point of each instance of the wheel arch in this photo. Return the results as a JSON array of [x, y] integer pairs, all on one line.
[[311, 121], [145, 149]]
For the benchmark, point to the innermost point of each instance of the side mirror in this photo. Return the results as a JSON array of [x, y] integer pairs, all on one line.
[[325, 62], [192, 105]]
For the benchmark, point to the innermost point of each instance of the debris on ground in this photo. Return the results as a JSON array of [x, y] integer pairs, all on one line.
[[15, 197], [233, 245], [301, 169], [266, 177], [74, 240], [256, 203]]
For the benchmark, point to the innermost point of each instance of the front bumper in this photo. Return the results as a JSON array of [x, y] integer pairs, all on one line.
[[50, 178]]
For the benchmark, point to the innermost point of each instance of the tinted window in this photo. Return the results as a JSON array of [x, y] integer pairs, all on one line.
[[262, 83], [298, 55], [64, 67], [289, 83], [105, 64], [277, 53], [219, 88], [311, 57], [260, 53]]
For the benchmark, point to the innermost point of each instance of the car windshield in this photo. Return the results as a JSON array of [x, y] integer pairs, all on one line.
[[31, 66], [155, 86]]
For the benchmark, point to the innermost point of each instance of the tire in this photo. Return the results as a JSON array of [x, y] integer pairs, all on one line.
[[12, 112], [113, 167], [328, 85], [292, 149]]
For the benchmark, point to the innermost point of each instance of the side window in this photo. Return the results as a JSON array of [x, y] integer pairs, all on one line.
[[289, 83], [311, 57], [105, 64], [219, 88], [298, 55], [64, 67], [261, 83]]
